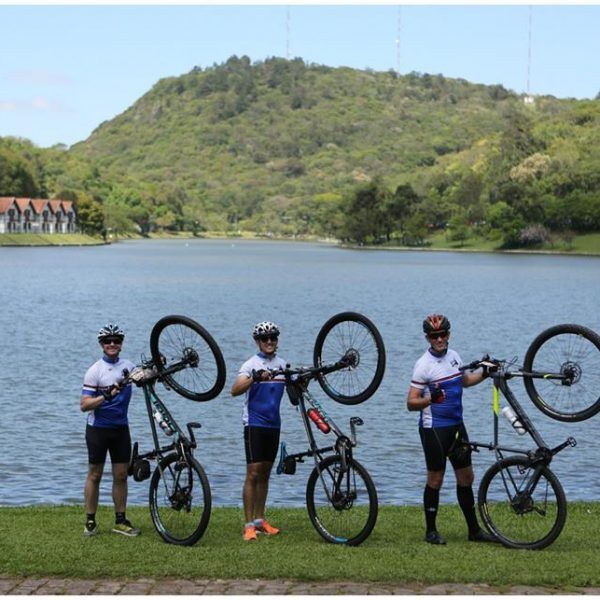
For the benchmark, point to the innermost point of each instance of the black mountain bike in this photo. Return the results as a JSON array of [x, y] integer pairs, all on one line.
[[570, 356], [187, 359], [349, 363], [520, 500]]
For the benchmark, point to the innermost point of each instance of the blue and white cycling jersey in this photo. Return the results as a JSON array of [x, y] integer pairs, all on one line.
[[102, 374], [440, 371], [261, 406]]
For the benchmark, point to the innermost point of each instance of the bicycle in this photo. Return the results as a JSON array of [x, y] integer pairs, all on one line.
[[520, 499], [349, 363], [187, 359]]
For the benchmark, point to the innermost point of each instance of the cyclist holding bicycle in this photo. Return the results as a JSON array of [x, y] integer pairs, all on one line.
[[107, 428], [436, 391], [262, 424]]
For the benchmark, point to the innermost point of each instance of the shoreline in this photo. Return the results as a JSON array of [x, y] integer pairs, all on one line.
[[91, 241]]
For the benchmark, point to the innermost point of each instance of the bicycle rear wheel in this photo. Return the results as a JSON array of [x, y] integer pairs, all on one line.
[[342, 506], [180, 500], [518, 516], [571, 350], [352, 336], [177, 339]]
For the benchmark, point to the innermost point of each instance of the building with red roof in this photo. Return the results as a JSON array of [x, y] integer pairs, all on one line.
[[36, 215]]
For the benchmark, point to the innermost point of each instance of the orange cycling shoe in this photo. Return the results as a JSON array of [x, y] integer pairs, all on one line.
[[249, 533], [267, 529]]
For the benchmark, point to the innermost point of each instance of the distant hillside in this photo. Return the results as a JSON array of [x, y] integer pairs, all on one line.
[[284, 146]]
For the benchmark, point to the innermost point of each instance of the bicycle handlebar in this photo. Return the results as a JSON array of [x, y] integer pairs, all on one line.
[[499, 367], [485, 361], [308, 373]]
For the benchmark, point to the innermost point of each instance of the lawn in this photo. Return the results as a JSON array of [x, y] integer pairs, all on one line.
[[48, 541], [54, 239]]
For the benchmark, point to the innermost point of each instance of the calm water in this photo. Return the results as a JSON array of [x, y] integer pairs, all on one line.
[[54, 300]]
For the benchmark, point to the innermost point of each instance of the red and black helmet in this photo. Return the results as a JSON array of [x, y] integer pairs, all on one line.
[[435, 323]]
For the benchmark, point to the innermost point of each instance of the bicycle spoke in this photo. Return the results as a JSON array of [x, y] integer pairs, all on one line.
[[354, 337], [175, 340], [178, 502], [340, 503], [523, 505], [568, 349]]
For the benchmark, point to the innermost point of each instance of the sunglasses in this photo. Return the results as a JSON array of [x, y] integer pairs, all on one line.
[[438, 335], [268, 338], [107, 341]]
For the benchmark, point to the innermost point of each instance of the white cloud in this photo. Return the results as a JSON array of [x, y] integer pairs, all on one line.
[[38, 104], [7, 106], [38, 77]]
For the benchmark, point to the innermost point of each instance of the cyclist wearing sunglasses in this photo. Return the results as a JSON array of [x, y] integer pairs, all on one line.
[[262, 424], [107, 430], [436, 391]]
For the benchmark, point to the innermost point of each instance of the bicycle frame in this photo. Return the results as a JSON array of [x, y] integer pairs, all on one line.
[[343, 444], [181, 443], [543, 453]]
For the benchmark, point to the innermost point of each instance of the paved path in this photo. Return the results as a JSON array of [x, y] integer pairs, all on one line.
[[81, 587]]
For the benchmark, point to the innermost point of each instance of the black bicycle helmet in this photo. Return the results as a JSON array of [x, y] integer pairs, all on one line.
[[435, 323]]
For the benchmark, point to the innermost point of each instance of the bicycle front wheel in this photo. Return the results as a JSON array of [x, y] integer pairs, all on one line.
[[574, 352], [519, 512], [177, 339], [351, 336], [342, 506], [180, 500]]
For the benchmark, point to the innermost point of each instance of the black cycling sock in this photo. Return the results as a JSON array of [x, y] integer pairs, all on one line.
[[90, 517], [119, 517], [466, 502], [431, 501]]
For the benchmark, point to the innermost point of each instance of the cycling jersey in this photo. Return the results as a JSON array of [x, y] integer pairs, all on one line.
[[101, 375], [440, 371], [261, 405]]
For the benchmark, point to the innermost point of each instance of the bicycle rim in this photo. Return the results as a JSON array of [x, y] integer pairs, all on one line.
[[180, 501], [352, 335], [522, 516], [176, 338], [342, 506], [565, 349]]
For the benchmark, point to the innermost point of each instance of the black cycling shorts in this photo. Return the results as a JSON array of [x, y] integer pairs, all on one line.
[[440, 443], [115, 440], [261, 444]]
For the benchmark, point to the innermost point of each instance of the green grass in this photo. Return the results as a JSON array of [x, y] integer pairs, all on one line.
[[48, 541], [55, 239]]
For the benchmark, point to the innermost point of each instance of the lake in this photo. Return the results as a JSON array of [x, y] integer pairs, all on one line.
[[55, 299]]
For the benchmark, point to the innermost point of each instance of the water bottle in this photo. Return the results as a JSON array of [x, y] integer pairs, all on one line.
[[315, 416], [162, 423], [509, 413]]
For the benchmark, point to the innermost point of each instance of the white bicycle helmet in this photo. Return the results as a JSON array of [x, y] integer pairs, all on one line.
[[110, 330], [265, 328]]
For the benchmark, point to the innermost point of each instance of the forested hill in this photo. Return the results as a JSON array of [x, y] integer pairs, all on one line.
[[285, 147]]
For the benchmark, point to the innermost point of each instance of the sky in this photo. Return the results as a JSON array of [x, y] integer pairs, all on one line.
[[64, 69]]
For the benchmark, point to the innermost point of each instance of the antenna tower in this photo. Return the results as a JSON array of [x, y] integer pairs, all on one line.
[[287, 32], [398, 30], [529, 97]]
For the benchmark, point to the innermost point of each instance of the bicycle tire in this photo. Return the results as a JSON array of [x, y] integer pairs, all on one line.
[[561, 349], [180, 500], [351, 521], [176, 337], [533, 524], [353, 334]]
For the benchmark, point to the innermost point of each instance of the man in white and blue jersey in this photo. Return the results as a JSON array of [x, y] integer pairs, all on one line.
[[106, 401], [262, 424], [436, 391]]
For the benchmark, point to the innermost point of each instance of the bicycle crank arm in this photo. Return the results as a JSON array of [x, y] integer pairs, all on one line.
[[568, 442]]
